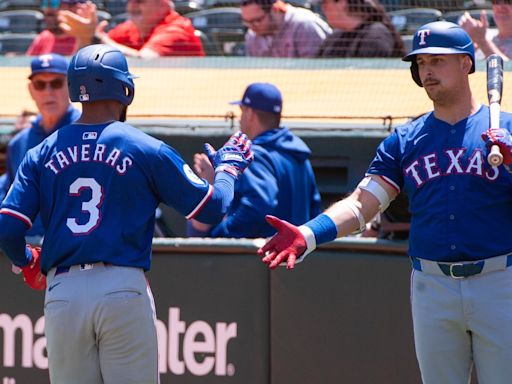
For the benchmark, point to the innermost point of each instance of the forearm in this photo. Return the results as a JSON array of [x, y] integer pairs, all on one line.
[[215, 209], [12, 240], [489, 48]]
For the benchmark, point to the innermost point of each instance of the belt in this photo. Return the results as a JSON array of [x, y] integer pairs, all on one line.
[[462, 269], [82, 267]]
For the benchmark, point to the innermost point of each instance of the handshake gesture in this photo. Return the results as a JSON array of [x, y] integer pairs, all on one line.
[[233, 157], [502, 138]]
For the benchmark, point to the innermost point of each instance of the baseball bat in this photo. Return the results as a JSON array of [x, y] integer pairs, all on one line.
[[494, 92]]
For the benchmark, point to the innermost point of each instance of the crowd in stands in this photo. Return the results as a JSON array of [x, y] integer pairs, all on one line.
[[261, 28]]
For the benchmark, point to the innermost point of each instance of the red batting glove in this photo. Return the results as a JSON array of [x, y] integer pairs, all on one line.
[[284, 246], [502, 138], [32, 274]]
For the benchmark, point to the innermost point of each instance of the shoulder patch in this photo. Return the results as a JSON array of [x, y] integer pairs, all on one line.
[[192, 176]]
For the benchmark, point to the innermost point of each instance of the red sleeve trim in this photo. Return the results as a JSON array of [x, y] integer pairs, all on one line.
[[17, 215]]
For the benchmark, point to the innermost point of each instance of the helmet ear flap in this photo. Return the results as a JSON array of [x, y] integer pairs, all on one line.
[[415, 73]]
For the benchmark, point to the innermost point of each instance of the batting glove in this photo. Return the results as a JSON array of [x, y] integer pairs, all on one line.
[[233, 157], [502, 138], [285, 246], [32, 274]]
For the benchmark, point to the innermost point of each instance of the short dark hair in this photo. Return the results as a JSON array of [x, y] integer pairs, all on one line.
[[267, 119], [266, 5]]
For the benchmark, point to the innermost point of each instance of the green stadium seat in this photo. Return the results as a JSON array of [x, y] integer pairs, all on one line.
[[406, 21], [15, 43]]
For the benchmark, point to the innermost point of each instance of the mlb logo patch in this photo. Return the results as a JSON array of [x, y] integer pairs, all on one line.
[[89, 136]]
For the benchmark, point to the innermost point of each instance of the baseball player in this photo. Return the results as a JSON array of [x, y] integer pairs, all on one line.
[[96, 184], [280, 181], [461, 215]]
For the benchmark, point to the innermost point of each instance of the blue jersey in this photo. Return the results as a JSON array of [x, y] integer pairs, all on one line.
[[96, 188], [461, 207], [20, 144], [280, 182]]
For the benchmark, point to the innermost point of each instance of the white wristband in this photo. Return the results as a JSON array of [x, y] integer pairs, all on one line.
[[370, 185], [309, 236]]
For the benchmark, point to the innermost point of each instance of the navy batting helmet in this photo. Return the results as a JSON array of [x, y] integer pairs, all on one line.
[[441, 38], [100, 72]]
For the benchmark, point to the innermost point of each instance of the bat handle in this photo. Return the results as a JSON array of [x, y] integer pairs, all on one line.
[[495, 158]]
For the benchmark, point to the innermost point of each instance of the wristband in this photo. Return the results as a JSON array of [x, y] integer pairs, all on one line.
[[323, 229]]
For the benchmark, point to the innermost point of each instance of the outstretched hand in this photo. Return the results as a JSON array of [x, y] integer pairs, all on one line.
[[233, 157], [285, 246]]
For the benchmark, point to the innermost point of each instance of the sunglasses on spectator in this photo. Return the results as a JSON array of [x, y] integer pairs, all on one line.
[[40, 85]]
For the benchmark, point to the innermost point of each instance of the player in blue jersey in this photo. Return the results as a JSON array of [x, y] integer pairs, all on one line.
[[47, 87], [96, 184], [280, 181], [461, 216]]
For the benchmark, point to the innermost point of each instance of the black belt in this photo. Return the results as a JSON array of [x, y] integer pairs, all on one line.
[[464, 269]]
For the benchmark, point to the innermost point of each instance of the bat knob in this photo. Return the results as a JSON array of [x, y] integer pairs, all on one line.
[[495, 158]]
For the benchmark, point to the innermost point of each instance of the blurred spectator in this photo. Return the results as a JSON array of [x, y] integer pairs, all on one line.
[[48, 88], [280, 180], [277, 29], [24, 120], [489, 42], [153, 29], [361, 29], [54, 39]]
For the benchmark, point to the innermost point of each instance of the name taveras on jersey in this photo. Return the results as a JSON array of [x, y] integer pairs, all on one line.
[[85, 153], [430, 164]]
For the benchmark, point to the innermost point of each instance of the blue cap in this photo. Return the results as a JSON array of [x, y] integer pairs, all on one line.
[[262, 96], [49, 63]]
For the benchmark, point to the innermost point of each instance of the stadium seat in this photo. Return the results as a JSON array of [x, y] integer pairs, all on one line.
[[454, 16], [21, 21], [209, 48], [406, 21], [15, 43], [223, 17], [19, 4], [223, 26], [117, 19], [184, 7], [103, 15]]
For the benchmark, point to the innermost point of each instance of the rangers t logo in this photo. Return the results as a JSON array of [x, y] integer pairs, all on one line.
[[423, 33]]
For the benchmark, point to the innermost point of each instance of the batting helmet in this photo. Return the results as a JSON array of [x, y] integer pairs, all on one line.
[[442, 38], [100, 72]]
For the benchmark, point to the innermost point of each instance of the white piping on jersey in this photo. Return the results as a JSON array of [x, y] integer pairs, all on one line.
[[201, 204], [17, 215]]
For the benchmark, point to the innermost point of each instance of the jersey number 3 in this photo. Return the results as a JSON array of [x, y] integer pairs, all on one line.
[[90, 207]]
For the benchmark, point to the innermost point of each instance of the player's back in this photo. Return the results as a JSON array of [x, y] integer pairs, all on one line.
[[98, 194]]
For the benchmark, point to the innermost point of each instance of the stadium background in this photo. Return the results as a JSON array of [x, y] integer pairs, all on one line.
[[344, 317]]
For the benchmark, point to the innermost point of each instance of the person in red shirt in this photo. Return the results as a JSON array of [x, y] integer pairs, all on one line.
[[54, 39], [153, 29]]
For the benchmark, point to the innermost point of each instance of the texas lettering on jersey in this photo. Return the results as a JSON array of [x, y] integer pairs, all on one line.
[[98, 153], [428, 167]]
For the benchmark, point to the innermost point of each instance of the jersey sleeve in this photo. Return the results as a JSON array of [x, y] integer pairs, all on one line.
[[387, 161], [176, 184], [22, 199]]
